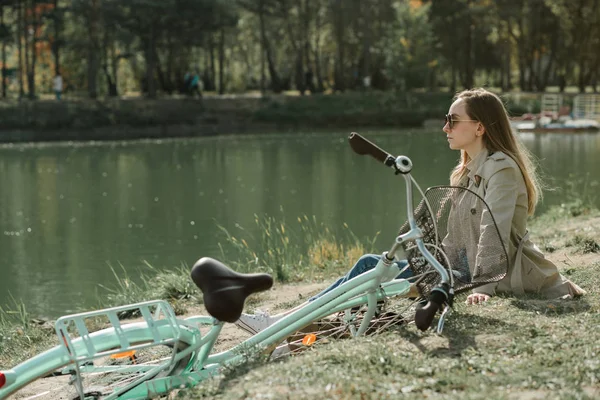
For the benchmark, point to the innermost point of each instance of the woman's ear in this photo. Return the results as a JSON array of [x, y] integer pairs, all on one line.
[[480, 129]]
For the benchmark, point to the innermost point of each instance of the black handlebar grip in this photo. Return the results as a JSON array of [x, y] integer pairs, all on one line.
[[362, 146], [424, 314]]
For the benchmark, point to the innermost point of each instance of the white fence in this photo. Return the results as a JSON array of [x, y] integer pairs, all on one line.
[[586, 106]]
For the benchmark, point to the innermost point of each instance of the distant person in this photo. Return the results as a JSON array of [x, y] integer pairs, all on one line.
[[187, 80], [57, 85], [367, 82], [195, 85]]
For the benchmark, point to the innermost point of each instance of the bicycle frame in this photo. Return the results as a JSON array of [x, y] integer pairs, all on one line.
[[367, 288]]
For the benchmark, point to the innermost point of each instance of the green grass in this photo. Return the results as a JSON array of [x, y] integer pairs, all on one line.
[[22, 336], [300, 250], [507, 349], [173, 285], [584, 244]]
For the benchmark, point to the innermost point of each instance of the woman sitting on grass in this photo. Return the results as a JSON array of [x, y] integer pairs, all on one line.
[[496, 166]]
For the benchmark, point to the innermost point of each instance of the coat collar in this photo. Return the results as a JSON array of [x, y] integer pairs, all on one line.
[[475, 165]]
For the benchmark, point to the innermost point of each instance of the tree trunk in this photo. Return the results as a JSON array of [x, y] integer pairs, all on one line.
[[93, 48], [171, 50], [222, 61], [262, 68], [213, 66], [56, 42], [162, 78], [114, 67], [3, 56], [19, 32], [150, 58], [299, 78], [452, 78], [31, 74], [108, 51], [507, 64], [29, 49], [309, 68], [26, 42], [206, 79], [275, 80], [340, 82], [366, 50], [150, 63], [520, 51], [544, 76], [317, 54], [432, 79], [581, 83], [468, 72]]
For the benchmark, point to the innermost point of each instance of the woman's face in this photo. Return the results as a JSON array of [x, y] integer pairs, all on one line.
[[462, 132]]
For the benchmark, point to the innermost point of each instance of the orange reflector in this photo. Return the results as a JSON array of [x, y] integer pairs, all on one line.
[[126, 354], [2, 379], [309, 339]]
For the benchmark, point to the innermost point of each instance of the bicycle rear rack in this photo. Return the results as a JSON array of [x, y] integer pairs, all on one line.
[[157, 315]]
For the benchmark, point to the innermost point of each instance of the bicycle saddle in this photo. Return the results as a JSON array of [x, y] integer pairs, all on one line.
[[225, 290]]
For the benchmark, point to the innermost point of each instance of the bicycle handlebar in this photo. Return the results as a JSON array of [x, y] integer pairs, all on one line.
[[442, 293], [362, 146]]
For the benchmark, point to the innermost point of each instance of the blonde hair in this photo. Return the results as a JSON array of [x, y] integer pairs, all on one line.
[[487, 108]]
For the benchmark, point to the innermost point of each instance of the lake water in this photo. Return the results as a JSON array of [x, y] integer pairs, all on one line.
[[70, 212]]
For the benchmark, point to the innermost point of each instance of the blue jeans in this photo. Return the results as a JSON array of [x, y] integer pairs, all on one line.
[[364, 264]]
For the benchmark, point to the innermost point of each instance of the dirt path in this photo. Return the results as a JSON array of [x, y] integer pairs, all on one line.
[[278, 299]]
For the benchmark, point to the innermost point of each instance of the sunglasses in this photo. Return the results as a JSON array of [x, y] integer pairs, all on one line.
[[451, 121]]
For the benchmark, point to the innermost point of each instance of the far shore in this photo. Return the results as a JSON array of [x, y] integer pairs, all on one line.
[[136, 118]]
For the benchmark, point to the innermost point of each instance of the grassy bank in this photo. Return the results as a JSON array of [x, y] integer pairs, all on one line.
[[511, 347], [507, 349], [119, 119]]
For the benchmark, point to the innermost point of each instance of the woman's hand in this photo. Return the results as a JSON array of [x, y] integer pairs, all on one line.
[[477, 298]]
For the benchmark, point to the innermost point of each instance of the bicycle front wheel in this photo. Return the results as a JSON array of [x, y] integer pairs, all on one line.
[[392, 313]]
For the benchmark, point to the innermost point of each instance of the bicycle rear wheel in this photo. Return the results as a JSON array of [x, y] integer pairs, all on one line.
[[106, 375]]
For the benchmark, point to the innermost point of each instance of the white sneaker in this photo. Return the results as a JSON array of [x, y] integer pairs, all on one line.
[[254, 323]]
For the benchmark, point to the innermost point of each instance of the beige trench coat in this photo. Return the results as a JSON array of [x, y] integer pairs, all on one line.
[[498, 180]]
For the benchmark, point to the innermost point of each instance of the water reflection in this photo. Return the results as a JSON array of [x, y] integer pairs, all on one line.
[[567, 162]]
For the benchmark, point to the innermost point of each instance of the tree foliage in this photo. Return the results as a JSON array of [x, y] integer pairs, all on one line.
[[109, 47]]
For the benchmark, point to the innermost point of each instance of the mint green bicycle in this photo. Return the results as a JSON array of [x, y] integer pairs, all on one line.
[[159, 353]]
